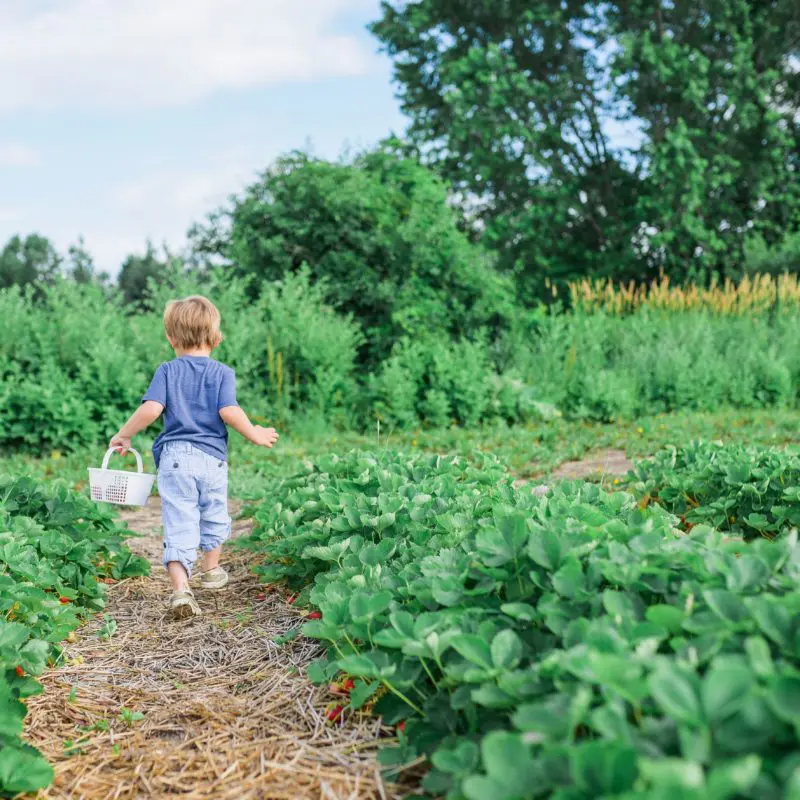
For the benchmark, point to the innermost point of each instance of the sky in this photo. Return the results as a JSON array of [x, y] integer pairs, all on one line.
[[128, 120]]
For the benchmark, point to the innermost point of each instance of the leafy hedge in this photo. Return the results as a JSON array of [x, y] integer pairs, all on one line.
[[55, 545], [74, 363], [746, 490], [569, 646]]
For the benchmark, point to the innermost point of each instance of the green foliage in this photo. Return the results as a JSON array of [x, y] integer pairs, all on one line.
[[378, 231], [74, 365], [138, 274], [721, 154], [603, 367], [439, 382], [782, 257], [607, 139], [573, 646], [592, 366], [747, 490], [80, 266], [55, 545]]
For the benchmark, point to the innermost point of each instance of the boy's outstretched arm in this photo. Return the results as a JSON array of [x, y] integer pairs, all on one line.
[[234, 417], [147, 413]]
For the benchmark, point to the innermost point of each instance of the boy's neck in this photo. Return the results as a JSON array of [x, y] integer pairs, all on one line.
[[204, 352]]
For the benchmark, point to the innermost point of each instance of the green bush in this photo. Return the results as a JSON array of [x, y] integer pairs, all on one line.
[[602, 367], [74, 364], [381, 234], [775, 260], [435, 381], [75, 361]]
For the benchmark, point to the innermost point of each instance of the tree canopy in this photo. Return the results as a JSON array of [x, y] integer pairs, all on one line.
[[614, 139], [29, 260]]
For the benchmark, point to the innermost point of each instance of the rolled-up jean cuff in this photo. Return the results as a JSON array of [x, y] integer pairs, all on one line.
[[211, 541], [184, 557]]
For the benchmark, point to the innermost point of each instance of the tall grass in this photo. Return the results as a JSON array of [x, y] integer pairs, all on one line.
[[602, 367], [751, 295]]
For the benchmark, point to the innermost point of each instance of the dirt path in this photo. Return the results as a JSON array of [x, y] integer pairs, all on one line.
[[602, 465], [225, 712], [611, 463]]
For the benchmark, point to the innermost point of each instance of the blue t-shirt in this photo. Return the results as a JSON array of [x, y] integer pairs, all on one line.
[[192, 390]]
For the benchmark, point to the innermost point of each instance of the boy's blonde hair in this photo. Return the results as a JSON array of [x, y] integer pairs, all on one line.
[[192, 323]]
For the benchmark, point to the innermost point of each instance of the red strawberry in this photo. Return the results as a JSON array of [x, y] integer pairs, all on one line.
[[20, 672], [315, 615], [349, 685], [291, 598], [261, 596], [335, 713], [64, 600], [401, 726]]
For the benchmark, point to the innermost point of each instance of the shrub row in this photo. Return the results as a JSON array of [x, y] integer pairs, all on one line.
[[73, 363]]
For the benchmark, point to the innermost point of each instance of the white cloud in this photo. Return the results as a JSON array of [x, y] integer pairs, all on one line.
[[16, 154], [8, 216], [134, 54], [159, 208], [187, 194]]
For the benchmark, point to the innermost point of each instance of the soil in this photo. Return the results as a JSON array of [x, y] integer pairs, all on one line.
[[612, 463]]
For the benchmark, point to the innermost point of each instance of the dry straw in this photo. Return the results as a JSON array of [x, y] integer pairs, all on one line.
[[227, 713]]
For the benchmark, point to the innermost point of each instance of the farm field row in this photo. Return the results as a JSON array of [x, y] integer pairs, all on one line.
[[57, 550], [574, 644], [632, 638]]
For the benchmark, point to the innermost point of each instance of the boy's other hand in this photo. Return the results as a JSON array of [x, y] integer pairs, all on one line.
[[264, 437], [122, 443]]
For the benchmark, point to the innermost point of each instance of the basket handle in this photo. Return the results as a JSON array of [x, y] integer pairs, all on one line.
[[111, 450]]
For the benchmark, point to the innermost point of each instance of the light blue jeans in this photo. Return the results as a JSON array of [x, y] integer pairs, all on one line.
[[194, 502]]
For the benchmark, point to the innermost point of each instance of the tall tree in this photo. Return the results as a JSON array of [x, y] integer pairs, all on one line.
[[716, 84], [80, 266], [32, 260], [507, 100], [378, 231], [137, 271], [516, 102]]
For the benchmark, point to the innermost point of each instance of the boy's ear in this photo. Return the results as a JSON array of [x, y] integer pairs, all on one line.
[[171, 342], [218, 339]]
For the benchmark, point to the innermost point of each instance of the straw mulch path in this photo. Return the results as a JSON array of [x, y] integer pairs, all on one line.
[[227, 713]]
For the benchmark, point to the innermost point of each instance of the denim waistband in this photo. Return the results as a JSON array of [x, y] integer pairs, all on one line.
[[183, 447]]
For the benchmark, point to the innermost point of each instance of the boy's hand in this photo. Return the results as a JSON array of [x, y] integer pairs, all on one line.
[[122, 443], [264, 437]]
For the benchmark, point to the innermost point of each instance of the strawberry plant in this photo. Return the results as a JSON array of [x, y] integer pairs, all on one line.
[[573, 646], [748, 491], [55, 546]]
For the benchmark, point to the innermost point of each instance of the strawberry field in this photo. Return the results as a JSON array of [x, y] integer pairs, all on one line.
[[634, 637], [57, 548], [571, 642], [518, 290]]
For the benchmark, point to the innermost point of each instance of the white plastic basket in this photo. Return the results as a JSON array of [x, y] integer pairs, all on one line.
[[118, 486]]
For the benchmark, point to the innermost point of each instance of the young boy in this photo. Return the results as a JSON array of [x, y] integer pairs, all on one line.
[[198, 398]]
